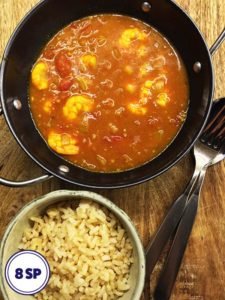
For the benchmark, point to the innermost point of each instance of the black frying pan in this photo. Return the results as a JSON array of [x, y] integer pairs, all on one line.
[[44, 21]]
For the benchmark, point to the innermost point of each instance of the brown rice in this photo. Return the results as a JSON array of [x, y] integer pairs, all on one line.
[[88, 251]]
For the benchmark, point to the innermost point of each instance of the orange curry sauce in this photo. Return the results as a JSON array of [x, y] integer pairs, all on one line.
[[109, 93]]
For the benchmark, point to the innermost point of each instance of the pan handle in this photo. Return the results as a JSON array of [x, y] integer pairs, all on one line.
[[218, 43], [17, 184], [20, 184]]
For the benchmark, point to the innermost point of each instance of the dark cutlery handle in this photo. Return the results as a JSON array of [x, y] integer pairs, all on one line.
[[167, 228], [163, 234], [175, 256]]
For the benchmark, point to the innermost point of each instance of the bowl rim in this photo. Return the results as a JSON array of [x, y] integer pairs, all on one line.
[[102, 200]]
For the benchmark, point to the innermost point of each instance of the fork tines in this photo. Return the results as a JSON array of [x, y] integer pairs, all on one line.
[[214, 134]]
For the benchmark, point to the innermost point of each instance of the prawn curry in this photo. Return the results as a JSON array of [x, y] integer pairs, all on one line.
[[109, 93]]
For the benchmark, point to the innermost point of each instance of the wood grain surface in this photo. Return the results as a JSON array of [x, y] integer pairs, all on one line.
[[203, 271]]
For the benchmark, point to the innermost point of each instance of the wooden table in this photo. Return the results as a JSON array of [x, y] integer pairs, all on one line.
[[203, 271]]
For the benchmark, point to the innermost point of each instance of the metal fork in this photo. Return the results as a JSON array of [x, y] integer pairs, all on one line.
[[173, 217], [210, 149]]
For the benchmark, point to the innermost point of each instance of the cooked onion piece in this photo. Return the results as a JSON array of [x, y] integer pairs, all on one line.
[[137, 109], [47, 106], [129, 69], [131, 88], [162, 99]]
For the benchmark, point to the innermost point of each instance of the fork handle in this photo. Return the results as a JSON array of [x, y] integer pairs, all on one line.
[[167, 228], [218, 43], [174, 259]]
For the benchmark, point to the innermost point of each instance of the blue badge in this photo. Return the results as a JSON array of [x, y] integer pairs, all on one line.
[[27, 272]]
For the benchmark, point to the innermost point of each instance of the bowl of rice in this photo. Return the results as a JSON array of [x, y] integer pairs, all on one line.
[[92, 247]]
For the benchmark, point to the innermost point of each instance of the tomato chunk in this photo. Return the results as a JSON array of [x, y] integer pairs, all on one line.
[[49, 54], [65, 84], [63, 64]]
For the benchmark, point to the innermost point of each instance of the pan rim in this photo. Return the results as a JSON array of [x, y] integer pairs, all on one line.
[[132, 182]]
